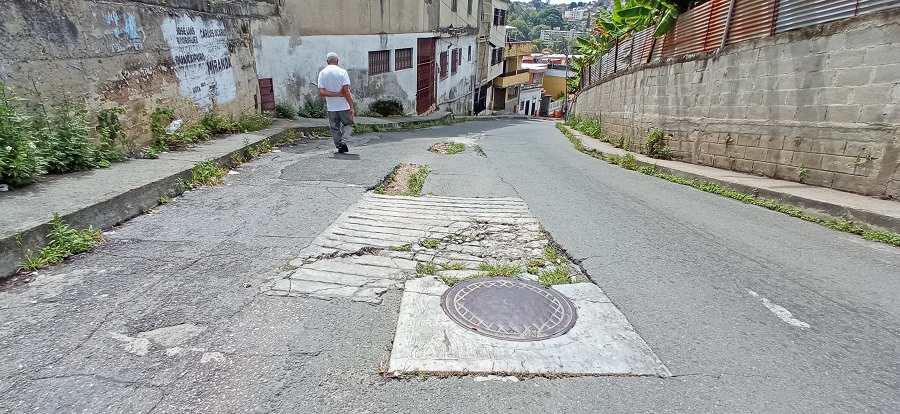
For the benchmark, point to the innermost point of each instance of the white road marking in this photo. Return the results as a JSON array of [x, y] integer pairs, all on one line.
[[779, 311]]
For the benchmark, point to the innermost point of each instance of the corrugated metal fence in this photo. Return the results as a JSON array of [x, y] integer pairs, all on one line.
[[718, 23]]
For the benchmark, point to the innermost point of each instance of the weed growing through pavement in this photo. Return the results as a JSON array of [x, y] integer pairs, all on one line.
[[840, 225], [532, 270], [207, 173], [491, 269], [551, 254], [430, 243], [802, 173], [479, 151], [453, 266], [426, 269], [559, 275], [416, 181], [403, 248], [64, 241]]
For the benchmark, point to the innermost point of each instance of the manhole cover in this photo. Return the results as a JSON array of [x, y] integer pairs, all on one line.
[[511, 309]]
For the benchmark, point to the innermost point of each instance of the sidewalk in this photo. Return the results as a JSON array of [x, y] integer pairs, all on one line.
[[104, 197], [862, 210]]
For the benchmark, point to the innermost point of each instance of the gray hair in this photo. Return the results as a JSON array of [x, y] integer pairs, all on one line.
[[332, 57]]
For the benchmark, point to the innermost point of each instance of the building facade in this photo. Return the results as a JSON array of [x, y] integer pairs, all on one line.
[[491, 52], [420, 54]]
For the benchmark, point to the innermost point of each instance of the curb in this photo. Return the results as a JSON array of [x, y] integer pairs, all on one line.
[[867, 219], [129, 204]]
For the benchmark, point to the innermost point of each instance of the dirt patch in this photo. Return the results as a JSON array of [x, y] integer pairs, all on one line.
[[440, 148], [398, 182], [447, 147]]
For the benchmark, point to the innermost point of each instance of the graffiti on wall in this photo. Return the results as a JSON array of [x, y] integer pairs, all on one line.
[[125, 32], [201, 59]]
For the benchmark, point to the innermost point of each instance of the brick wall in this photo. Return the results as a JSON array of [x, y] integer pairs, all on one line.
[[821, 104]]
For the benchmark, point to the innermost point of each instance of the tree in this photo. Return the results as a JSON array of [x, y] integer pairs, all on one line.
[[522, 27], [573, 5], [536, 31], [551, 17]]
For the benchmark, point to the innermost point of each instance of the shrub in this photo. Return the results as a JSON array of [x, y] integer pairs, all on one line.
[[255, 122], [217, 123], [314, 108], [20, 161], [387, 107], [110, 130], [654, 145], [63, 138], [285, 110]]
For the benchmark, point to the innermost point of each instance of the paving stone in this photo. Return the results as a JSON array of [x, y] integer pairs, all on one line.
[[355, 269]]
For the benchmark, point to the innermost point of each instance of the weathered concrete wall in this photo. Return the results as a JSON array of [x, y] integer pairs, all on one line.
[[186, 54], [291, 49], [821, 104], [294, 63], [456, 92]]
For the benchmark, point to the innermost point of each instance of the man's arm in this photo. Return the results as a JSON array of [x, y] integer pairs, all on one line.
[[324, 93], [345, 92]]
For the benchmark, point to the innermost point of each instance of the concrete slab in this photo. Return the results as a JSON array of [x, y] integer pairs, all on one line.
[[602, 342]]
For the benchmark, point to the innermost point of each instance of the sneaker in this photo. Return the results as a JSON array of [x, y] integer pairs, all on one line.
[[343, 148]]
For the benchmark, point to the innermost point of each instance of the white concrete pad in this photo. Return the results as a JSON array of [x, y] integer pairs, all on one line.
[[602, 342]]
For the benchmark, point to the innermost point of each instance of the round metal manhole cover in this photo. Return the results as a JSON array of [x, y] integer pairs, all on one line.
[[507, 308]]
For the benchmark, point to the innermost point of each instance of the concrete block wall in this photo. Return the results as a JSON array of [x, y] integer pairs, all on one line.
[[821, 104], [188, 55]]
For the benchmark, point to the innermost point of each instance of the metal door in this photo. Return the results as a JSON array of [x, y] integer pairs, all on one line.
[[425, 75], [266, 94]]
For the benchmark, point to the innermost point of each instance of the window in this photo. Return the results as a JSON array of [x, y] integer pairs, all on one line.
[[499, 17], [403, 59], [444, 65], [454, 66], [497, 56], [470, 7], [379, 62], [470, 54], [453, 5]]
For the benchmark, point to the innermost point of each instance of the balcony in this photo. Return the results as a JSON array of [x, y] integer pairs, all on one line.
[[512, 78]]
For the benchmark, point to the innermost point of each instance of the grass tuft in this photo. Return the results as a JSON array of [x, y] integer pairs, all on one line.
[[557, 276]]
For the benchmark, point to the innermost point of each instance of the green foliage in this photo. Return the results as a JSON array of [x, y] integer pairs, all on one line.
[[64, 141], [802, 173], [588, 126], [551, 254], [532, 270], [455, 147], [403, 248], [453, 266], [559, 275], [217, 123], [111, 133], [285, 110], [207, 173], [64, 241], [313, 108], [21, 162], [387, 107], [416, 181], [490, 269], [252, 122], [654, 145], [430, 243], [426, 269]]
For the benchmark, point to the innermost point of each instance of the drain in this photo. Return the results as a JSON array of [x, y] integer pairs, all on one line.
[[510, 309]]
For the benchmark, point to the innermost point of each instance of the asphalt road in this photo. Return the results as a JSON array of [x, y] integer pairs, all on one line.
[[706, 281]]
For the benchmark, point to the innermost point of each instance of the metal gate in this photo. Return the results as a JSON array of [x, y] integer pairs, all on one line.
[[480, 99], [266, 94], [425, 76]]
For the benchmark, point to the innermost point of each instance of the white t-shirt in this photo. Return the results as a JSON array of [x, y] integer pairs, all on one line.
[[333, 79]]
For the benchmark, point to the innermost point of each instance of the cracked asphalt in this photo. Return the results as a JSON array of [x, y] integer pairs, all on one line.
[[680, 264]]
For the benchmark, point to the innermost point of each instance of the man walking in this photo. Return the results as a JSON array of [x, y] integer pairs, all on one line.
[[334, 85]]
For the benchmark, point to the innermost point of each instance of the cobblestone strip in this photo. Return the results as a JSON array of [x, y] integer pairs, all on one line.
[[378, 242]]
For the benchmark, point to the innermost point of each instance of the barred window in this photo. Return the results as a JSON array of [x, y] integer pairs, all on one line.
[[470, 6], [379, 62], [403, 59], [444, 65], [453, 5]]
